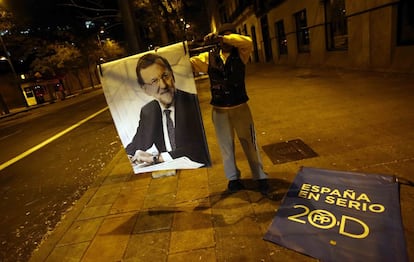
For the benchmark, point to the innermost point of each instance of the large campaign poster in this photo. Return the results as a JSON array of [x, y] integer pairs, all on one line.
[[341, 216], [153, 101]]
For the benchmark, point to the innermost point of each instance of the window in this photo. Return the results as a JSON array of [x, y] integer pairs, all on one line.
[[223, 14], [267, 43], [255, 50], [302, 31], [281, 37], [405, 22], [336, 25]]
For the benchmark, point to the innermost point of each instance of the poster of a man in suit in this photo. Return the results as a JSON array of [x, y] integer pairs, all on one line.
[[153, 101]]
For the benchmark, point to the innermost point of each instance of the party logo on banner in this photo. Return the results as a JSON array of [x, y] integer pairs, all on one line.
[[341, 216]]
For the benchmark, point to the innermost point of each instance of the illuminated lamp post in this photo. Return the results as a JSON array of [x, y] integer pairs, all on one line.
[[3, 105], [7, 58], [101, 32]]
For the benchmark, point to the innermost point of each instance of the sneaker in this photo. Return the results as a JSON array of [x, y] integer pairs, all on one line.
[[235, 185], [264, 187]]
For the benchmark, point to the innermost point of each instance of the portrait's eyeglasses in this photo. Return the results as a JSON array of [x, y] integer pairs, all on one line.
[[155, 83]]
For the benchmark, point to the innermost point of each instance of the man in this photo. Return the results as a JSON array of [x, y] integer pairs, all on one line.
[[225, 65], [171, 122]]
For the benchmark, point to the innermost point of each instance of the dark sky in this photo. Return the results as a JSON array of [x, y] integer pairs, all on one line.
[[33, 10], [48, 12]]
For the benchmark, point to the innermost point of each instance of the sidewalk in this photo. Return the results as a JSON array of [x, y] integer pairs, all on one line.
[[18, 110], [355, 121]]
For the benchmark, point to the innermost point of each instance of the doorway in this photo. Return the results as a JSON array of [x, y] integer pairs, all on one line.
[[267, 42]]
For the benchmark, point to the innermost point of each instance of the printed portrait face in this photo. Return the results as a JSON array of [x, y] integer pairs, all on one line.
[[159, 83]]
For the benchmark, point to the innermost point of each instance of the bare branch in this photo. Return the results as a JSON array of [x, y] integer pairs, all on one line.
[[75, 5], [101, 17]]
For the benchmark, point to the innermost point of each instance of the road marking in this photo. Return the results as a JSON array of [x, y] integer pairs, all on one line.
[[49, 140], [12, 134]]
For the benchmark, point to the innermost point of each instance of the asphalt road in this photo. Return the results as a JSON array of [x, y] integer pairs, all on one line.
[[72, 141]]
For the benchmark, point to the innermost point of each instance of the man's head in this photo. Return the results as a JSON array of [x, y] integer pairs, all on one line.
[[156, 77], [226, 29]]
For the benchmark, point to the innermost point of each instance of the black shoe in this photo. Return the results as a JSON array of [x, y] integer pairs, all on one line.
[[235, 185], [264, 187]]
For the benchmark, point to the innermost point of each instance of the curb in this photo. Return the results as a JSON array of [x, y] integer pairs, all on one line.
[[51, 239], [19, 110]]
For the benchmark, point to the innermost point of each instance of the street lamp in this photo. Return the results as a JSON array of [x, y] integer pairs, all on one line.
[[7, 58], [3, 103], [101, 32]]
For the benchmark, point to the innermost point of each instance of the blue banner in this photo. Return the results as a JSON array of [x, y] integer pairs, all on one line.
[[341, 216]]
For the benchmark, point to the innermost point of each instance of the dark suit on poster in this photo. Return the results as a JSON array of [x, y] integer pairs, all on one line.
[[189, 133]]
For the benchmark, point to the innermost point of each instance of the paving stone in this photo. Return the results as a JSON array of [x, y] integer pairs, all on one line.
[[81, 231], [139, 180], [129, 199], [94, 212], [203, 255], [105, 195], [70, 253], [192, 230], [150, 246], [241, 241], [154, 220], [163, 185], [112, 239], [192, 184], [159, 201], [115, 179]]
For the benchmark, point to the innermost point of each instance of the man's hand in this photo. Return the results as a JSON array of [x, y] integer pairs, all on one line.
[[144, 157], [212, 38]]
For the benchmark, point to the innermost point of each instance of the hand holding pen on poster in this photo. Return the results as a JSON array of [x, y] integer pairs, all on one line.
[[148, 157]]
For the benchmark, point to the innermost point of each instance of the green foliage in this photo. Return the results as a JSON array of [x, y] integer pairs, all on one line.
[[52, 51], [56, 58], [6, 21], [159, 21], [112, 50]]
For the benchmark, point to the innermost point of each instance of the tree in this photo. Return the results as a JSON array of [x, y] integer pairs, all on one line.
[[6, 20], [111, 50], [159, 21], [55, 58], [6, 24]]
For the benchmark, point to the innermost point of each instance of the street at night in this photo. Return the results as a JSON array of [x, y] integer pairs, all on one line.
[[354, 121], [308, 116], [38, 189]]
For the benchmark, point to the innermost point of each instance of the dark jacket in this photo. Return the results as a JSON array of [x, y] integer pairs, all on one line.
[[189, 133], [227, 80]]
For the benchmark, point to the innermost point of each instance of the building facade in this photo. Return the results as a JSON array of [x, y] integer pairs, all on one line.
[[365, 34]]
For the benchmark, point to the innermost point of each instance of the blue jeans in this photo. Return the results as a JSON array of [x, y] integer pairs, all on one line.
[[226, 122]]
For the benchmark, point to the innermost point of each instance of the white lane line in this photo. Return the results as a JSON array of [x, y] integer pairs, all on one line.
[[49, 140], [12, 134]]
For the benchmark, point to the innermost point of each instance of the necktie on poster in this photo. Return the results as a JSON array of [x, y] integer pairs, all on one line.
[[170, 128]]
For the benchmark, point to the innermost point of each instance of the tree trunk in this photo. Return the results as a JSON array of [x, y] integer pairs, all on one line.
[[163, 32], [4, 106], [131, 30]]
